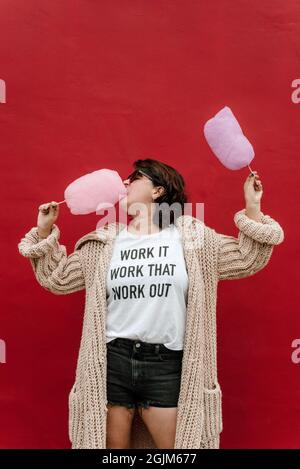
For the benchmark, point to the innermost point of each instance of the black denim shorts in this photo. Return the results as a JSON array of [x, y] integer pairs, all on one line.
[[142, 374]]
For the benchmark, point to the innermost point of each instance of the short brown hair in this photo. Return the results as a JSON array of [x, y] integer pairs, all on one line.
[[164, 175]]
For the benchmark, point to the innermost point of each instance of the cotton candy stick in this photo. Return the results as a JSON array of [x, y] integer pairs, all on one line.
[[250, 168], [256, 187]]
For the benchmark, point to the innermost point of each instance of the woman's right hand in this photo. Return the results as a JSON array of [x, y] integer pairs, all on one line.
[[48, 214]]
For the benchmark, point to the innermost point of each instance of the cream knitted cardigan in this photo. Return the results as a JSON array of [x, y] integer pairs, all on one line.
[[210, 257]]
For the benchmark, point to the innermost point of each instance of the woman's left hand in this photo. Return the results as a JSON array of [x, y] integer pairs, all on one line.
[[253, 189]]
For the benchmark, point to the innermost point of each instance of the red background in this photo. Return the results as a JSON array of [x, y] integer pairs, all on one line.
[[95, 84]]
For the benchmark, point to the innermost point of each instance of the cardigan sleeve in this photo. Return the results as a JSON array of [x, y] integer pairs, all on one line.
[[53, 269], [251, 251]]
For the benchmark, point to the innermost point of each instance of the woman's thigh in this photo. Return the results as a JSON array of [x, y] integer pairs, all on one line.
[[161, 423], [118, 426]]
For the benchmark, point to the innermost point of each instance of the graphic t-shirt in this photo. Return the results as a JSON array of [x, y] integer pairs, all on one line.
[[147, 287]]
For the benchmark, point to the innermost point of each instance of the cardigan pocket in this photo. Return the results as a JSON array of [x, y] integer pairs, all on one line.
[[213, 424], [74, 414]]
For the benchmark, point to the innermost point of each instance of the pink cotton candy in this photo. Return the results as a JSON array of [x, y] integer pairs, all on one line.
[[226, 139], [95, 191]]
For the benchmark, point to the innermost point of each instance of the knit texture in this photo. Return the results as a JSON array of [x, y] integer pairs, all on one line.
[[210, 257]]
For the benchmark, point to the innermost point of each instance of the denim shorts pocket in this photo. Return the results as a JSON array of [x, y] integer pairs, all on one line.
[[171, 355], [113, 347], [115, 355], [111, 343]]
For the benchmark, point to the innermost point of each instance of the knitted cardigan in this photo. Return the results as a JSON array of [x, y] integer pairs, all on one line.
[[210, 257]]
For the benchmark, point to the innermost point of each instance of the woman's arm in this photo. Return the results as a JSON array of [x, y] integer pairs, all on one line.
[[258, 233], [54, 270], [251, 251]]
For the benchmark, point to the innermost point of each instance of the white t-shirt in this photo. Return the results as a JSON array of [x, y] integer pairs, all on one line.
[[147, 287]]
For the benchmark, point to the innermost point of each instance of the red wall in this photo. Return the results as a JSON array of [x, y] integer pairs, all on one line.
[[93, 85]]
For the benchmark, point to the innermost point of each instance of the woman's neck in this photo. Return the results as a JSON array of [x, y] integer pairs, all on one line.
[[142, 226]]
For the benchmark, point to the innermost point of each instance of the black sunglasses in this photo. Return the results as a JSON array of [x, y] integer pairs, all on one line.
[[136, 174]]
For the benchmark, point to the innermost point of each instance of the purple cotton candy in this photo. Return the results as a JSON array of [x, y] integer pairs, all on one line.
[[226, 139], [95, 191]]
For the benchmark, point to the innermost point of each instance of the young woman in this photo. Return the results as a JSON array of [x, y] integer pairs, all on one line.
[[154, 307]]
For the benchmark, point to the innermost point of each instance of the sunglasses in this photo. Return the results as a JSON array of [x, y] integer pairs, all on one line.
[[137, 174]]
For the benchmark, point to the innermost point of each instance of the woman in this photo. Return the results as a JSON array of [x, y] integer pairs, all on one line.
[[146, 372]]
